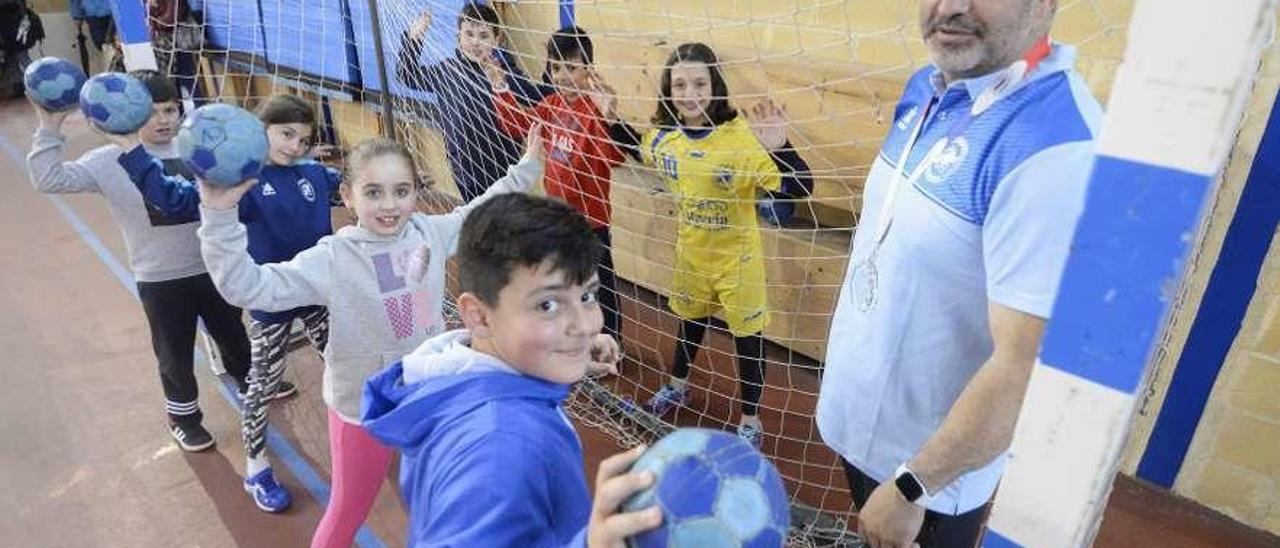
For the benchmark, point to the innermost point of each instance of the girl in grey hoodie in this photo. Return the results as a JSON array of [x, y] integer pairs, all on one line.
[[382, 279]]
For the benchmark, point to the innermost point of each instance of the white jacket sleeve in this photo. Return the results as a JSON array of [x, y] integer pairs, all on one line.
[[50, 175], [276, 287]]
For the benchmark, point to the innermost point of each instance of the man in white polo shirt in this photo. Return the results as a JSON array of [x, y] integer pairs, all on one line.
[[967, 217]]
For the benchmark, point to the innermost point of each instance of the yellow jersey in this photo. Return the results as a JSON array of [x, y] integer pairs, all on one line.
[[715, 180]]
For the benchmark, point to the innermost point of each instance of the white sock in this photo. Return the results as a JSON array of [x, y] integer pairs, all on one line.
[[253, 465], [753, 420]]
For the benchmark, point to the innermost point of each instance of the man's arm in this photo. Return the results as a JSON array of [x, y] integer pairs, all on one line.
[[980, 426]]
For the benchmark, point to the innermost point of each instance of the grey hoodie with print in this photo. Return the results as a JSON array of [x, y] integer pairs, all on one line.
[[384, 293]]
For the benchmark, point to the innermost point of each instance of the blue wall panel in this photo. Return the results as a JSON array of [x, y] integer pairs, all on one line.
[[235, 25], [311, 36], [442, 38]]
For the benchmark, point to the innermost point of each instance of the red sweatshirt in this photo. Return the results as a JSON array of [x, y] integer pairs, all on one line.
[[580, 154]]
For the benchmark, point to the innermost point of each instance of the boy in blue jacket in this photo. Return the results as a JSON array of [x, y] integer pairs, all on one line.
[[489, 457]]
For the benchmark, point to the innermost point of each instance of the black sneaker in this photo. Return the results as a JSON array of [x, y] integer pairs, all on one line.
[[284, 389], [191, 437]]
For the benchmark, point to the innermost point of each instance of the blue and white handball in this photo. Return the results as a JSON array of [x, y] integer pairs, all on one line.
[[115, 102], [222, 144], [54, 83], [715, 490]]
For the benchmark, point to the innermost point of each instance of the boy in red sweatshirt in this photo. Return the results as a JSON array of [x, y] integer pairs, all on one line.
[[580, 155]]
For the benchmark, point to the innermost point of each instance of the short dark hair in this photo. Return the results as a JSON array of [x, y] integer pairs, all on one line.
[[480, 13], [161, 87], [282, 108], [719, 111], [570, 43], [517, 230]]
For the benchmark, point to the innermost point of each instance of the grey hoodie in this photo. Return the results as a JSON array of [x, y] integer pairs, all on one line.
[[384, 293]]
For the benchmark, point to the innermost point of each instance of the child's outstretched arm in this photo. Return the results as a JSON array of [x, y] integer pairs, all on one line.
[[625, 138], [514, 117], [521, 177], [409, 68], [173, 196], [525, 89], [303, 281], [49, 174]]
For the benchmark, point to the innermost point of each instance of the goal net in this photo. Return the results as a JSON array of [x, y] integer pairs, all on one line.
[[404, 68]]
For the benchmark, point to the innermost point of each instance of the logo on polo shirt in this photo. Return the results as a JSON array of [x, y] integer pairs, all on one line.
[[947, 161], [308, 191], [268, 190]]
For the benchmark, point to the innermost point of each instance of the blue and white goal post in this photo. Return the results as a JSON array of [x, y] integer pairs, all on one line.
[[1171, 121], [130, 17]]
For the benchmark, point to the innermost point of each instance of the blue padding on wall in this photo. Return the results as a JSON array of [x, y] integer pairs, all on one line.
[[1226, 300], [311, 36], [442, 38], [235, 25], [1138, 222]]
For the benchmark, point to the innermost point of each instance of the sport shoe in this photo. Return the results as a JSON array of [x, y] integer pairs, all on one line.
[[751, 434], [667, 398], [191, 437], [267, 493], [283, 390]]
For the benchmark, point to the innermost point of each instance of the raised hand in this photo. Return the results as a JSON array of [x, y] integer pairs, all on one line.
[[609, 528], [224, 197], [769, 123], [604, 97], [495, 73], [48, 120], [533, 141], [605, 356], [128, 141], [419, 28]]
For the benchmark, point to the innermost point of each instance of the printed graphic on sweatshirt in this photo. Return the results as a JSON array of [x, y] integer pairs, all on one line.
[[173, 167], [406, 301]]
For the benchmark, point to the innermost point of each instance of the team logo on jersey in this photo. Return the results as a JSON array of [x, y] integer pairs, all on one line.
[[904, 121], [670, 166], [947, 161], [724, 176], [268, 190], [308, 191]]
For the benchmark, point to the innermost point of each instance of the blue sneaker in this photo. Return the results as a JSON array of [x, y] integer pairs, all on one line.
[[751, 434], [269, 495], [667, 398]]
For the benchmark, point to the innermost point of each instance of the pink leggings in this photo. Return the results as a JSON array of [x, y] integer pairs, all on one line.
[[360, 466]]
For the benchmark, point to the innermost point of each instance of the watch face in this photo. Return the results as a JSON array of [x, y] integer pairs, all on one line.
[[909, 486]]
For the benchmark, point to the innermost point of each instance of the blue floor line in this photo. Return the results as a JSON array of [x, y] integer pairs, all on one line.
[[279, 445]]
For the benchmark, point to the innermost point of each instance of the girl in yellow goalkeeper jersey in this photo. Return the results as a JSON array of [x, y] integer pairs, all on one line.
[[716, 163]]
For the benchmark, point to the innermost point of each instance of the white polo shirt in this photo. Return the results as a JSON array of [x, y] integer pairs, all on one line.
[[989, 219]]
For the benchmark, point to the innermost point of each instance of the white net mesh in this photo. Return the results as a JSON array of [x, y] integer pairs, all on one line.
[[837, 66]]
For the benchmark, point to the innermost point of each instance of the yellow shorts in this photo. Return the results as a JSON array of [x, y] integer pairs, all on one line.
[[739, 289]]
